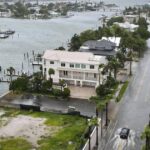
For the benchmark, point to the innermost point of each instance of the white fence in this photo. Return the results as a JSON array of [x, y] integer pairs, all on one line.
[[92, 144]]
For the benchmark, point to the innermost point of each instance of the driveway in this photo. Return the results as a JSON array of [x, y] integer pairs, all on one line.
[[82, 92]]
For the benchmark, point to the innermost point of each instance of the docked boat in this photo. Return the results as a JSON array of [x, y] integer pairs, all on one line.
[[4, 36], [8, 32]]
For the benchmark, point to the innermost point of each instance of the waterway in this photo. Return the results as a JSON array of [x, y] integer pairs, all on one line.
[[39, 35]]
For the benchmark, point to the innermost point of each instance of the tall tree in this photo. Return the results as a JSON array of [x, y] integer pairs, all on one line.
[[20, 10], [75, 43], [114, 65], [99, 106], [11, 72]]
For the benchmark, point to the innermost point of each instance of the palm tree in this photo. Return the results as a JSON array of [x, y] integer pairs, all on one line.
[[11, 71], [62, 84], [130, 58], [50, 72], [114, 64], [99, 106], [128, 42]]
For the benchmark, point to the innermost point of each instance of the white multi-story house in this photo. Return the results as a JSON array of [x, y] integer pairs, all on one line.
[[76, 68]]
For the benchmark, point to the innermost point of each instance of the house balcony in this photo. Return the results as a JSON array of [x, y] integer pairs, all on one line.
[[78, 77], [65, 76], [90, 78]]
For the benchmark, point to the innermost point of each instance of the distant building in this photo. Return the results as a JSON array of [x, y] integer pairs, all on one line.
[[76, 68], [103, 47], [131, 18], [115, 40], [127, 26], [5, 13], [54, 14]]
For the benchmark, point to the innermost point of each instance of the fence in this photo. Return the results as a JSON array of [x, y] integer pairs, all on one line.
[[91, 142]]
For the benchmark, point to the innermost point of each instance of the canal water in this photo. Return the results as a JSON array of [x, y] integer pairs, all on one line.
[[39, 35]]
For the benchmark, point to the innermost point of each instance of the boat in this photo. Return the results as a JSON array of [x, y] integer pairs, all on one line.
[[4, 36], [8, 32]]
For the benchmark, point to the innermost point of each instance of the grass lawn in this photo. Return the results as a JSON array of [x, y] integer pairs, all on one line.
[[68, 137], [14, 144]]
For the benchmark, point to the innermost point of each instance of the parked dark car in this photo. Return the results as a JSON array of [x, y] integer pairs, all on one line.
[[124, 133]]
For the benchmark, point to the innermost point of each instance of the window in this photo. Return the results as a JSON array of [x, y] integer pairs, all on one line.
[[95, 75], [65, 73], [44, 69], [83, 66], [91, 66], [51, 62], [63, 64], [71, 65], [77, 65]]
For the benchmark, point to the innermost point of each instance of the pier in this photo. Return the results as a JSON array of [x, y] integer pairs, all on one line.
[[30, 64]]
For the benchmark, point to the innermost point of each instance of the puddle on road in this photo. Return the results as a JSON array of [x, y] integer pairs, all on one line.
[[120, 144]]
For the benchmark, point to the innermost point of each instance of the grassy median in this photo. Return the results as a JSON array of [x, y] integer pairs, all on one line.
[[122, 91]]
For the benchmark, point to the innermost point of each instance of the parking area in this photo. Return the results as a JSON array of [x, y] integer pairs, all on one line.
[[82, 92]]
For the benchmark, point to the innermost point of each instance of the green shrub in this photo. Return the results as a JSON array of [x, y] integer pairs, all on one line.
[[66, 93], [57, 92]]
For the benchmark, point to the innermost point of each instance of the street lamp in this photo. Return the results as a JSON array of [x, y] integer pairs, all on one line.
[[96, 127]]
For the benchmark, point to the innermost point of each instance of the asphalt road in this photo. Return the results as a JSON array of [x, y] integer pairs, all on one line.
[[134, 109]]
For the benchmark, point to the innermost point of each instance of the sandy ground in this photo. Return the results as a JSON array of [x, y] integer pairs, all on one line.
[[32, 129]]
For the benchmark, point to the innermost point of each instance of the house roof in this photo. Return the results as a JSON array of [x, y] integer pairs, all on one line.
[[115, 40], [73, 57], [101, 47]]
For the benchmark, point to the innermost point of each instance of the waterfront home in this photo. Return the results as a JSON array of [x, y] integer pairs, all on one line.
[[54, 13], [131, 18], [103, 47], [127, 26], [115, 40], [76, 68], [5, 13]]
